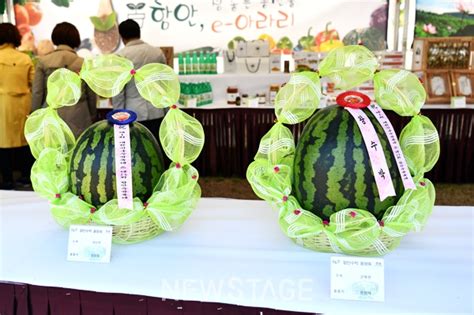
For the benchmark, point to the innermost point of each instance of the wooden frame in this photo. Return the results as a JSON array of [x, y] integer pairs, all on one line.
[[463, 84], [438, 86]]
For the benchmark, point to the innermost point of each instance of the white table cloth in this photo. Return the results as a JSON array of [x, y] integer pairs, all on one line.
[[232, 251]]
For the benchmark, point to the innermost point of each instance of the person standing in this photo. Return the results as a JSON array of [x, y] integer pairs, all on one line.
[[66, 38], [140, 53], [17, 73]]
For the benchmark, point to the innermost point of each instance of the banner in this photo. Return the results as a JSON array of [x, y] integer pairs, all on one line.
[[186, 24]]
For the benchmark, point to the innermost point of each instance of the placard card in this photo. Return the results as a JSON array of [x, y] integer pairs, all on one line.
[[123, 166], [89, 243], [192, 102], [356, 278]]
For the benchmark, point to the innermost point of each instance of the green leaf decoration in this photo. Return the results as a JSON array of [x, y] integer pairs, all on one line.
[[64, 88], [270, 182], [400, 91], [107, 75], [158, 84], [277, 146], [348, 66], [70, 209], [299, 98], [181, 136], [49, 174], [419, 141], [104, 24], [45, 129]]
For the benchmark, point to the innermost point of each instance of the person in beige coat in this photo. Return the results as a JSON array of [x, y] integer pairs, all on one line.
[[17, 71], [80, 116]]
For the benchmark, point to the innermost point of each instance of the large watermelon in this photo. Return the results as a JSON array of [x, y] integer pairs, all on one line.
[[92, 168], [332, 169]]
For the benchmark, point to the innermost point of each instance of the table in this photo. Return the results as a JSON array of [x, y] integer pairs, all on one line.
[[232, 251]]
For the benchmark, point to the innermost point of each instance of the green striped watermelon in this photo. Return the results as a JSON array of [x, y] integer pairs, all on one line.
[[92, 166], [332, 169]]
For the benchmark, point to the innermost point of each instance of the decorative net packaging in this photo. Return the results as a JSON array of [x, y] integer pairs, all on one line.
[[176, 193], [351, 231]]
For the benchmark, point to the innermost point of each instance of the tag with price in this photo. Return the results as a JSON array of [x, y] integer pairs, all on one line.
[[355, 278], [89, 243]]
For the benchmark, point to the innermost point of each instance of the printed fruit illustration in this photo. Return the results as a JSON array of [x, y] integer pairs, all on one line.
[[370, 37], [34, 12], [23, 29], [332, 169], [92, 163], [326, 35], [236, 39], [306, 42], [330, 45], [106, 33], [269, 39], [284, 43], [21, 15]]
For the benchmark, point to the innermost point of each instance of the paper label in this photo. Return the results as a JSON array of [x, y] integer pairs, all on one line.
[[192, 102], [458, 102], [123, 166], [253, 102], [355, 278], [89, 243], [395, 145], [383, 180]]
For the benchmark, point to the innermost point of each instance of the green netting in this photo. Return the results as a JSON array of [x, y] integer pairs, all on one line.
[[269, 181], [277, 146], [107, 75], [412, 210], [176, 195], [348, 66], [45, 129], [419, 141], [353, 229], [111, 214], [64, 88], [400, 91], [297, 222], [299, 98], [70, 209], [158, 84], [49, 174], [181, 136]]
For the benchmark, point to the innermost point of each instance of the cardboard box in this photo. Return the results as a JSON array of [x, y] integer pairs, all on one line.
[[258, 48]]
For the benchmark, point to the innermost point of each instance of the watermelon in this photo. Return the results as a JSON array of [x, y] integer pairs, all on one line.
[[92, 165], [332, 170]]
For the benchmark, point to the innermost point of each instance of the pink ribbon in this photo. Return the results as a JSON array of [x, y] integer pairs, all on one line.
[[395, 145], [383, 180], [123, 166]]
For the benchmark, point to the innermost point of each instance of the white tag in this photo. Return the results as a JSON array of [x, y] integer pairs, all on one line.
[[123, 167], [355, 278], [458, 102], [253, 102], [89, 243], [192, 102]]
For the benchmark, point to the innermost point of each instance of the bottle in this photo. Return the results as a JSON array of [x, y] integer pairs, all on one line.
[[207, 64], [244, 100], [195, 64], [181, 63], [210, 94], [232, 93], [262, 99], [202, 63], [199, 94], [274, 88], [213, 64], [184, 93], [187, 68]]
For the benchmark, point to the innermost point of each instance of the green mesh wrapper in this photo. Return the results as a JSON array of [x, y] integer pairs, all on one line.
[[64, 88], [176, 195], [277, 146], [353, 229], [45, 129], [412, 210], [70, 209], [111, 214], [400, 91], [348, 66], [296, 222], [107, 75], [270, 182], [158, 84], [181, 136], [419, 141], [49, 174], [299, 98]]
